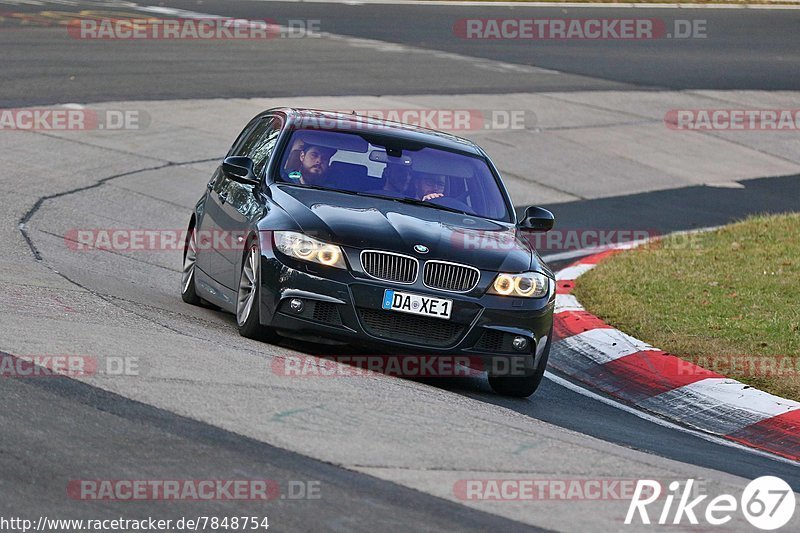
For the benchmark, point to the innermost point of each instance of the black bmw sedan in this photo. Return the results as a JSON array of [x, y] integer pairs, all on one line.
[[339, 228]]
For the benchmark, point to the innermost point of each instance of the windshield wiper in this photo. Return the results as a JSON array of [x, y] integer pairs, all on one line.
[[321, 188], [414, 201], [405, 200]]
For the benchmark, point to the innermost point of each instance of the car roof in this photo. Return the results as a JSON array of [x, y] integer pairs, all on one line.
[[336, 121]]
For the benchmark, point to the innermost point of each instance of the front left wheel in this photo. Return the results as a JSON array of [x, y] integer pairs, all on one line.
[[248, 296], [188, 291]]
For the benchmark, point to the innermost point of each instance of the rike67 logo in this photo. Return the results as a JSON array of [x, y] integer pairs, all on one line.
[[767, 503]]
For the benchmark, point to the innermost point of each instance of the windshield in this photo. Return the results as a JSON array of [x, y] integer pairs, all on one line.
[[359, 163]]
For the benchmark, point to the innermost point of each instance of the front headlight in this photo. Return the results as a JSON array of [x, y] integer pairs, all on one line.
[[306, 248], [525, 285]]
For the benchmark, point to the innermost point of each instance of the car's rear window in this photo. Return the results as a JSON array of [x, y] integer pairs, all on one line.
[[367, 164]]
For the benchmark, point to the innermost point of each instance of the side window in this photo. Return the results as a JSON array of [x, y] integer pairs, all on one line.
[[237, 144], [260, 142]]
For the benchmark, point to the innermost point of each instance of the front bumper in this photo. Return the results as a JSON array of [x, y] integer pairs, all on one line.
[[343, 306]]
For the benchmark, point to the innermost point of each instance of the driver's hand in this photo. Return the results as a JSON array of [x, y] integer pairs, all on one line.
[[431, 196]]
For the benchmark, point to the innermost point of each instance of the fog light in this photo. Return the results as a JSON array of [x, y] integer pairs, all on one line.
[[520, 344], [296, 305]]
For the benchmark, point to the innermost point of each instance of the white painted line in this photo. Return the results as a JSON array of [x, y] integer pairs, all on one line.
[[721, 405], [603, 345], [486, 64], [383, 46], [567, 302], [700, 411], [572, 254], [574, 271], [734, 393], [661, 422]]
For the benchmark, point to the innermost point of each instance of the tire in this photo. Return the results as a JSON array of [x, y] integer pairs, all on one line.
[[248, 296], [522, 386], [188, 289]]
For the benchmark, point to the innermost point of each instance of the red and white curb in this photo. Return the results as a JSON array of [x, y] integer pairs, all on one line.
[[590, 351]]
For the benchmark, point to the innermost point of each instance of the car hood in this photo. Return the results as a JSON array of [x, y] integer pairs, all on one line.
[[383, 224]]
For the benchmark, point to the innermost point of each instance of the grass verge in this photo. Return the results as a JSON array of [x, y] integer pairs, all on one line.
[[727, 300]]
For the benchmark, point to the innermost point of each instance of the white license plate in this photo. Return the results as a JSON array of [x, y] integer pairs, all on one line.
[[416, 304]]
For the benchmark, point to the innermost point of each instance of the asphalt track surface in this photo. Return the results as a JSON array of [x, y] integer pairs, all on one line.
[[77, 424], [105, 432], [760, 53], [756, 51]]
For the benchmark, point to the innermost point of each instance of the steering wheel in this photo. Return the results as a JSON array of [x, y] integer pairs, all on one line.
[[452, 203]]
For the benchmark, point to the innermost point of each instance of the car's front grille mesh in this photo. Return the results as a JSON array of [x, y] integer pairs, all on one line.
[[316, 310], [490, 341], [450, 276], [390, 267], [495, 341], [327, 313], [433, 332]]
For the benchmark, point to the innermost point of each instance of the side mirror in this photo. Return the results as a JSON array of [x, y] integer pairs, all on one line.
[[537, 219], [240, 170]]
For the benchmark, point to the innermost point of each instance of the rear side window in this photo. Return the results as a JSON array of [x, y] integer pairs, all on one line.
[[258, 142]]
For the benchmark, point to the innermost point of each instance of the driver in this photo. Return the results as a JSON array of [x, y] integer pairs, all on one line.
[[314, 164], [430, 187]]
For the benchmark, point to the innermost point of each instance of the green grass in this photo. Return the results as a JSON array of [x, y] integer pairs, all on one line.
[[724, 299]]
